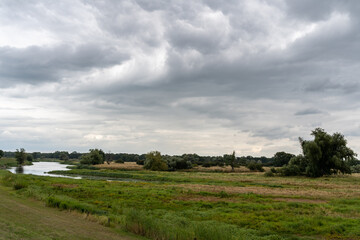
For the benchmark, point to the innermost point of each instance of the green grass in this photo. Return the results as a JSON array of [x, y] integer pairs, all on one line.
[[23, 218], [185, 205]]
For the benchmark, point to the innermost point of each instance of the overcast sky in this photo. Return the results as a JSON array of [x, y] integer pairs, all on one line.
[[204, 77]]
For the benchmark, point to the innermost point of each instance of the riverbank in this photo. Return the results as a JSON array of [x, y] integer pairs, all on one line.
[[26, 218]]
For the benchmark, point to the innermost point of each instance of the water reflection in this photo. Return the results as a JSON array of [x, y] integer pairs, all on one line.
[[19, 169], [41, 169]]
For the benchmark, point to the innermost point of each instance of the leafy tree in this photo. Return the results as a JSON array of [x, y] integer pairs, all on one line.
[[325, 155], [64, 156], [175, 163], [255, 166], [108, 157], [282, 158], [154, 162], [29, 158], [1, 153], [36, 155], [74, 155], [95, 156], [231, 160], [20, 156]]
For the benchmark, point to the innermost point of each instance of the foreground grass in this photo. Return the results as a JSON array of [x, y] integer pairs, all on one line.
[[188, 205], [29, 219]]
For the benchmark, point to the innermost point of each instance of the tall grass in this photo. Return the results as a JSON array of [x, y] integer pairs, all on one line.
[[165, 210]]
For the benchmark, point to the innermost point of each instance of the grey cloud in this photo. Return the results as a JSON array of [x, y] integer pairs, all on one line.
[[41, 64], [272, 133], [244, 81], [308, 111]]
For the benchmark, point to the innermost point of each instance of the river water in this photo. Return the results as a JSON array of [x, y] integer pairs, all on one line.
[[42, 169]]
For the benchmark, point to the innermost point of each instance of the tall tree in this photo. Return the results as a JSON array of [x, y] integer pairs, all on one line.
[[20, 156], [325, 155], [282, 158], [1, 153], [230, 160]]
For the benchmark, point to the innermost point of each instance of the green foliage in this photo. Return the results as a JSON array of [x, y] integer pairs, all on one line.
[[176, 163], [325, 155], [355, 169], [269, 174], [29, 158], [181, 211], [230, 160], [95, 156], [20, 156], [155, 162], [254, 166], [1, 153], [64, 156], [282, 158]]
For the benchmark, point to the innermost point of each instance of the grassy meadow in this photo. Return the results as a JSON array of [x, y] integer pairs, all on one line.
[[204, 205]]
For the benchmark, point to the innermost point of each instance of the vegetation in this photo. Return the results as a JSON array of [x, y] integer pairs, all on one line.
[[1, 153], [231, 160], [155, 162], [21, 218], [282, 158], [20, 156], [255, 166], [95, 156], [188, 205], [325, 155]]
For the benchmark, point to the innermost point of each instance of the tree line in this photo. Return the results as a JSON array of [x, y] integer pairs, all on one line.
[[325, 155]]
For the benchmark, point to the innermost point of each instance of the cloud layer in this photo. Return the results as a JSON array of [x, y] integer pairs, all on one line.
[[179, 77]]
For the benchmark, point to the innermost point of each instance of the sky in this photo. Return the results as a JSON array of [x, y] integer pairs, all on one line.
[[205, 77]]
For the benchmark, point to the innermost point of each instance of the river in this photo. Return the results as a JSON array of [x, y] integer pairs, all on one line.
[[42, 169]]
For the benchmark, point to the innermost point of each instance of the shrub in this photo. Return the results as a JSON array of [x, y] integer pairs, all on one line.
[[154, 162], [269, 174], [254, 166], [119, 161], [176, 163], [95, 156], [355, 169], [19, 184]]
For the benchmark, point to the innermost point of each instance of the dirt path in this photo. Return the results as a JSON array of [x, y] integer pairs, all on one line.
[[30, 219]]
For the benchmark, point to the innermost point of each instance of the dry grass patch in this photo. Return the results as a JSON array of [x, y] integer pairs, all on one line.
[[124, 166], [307, 193]]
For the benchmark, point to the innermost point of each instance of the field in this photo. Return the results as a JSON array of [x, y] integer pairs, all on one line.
[[205, 205], [29, 219]]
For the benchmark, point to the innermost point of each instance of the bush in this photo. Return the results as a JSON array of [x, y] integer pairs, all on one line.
[[355, 169], [254, 166], [154, 162], [95, 156], [269, 174], [19, 184], [119, 161], [140, 162], [176, 163]]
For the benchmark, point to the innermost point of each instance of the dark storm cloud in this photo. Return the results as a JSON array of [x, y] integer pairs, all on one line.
[[43, 64], [156, 70]]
